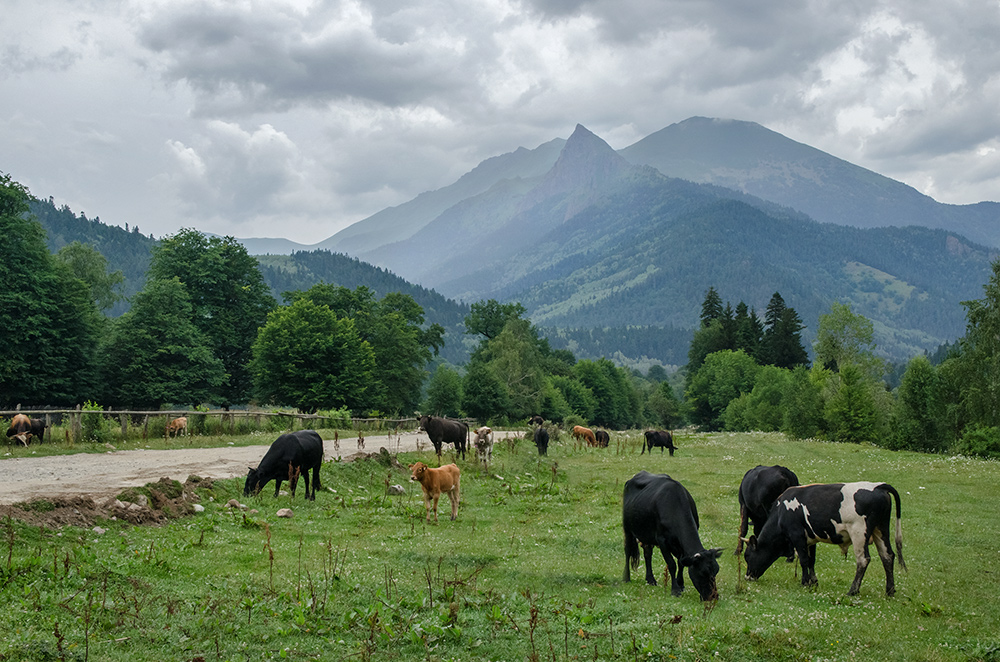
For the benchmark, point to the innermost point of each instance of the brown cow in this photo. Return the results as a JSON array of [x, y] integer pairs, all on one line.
[[176, 426], [580, 432], [434, 482], [20, 429]]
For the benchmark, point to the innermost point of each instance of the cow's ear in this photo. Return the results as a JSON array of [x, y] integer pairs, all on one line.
[[715, 552], [752, 542]]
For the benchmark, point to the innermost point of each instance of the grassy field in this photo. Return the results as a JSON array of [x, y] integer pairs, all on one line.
[[531, 570]]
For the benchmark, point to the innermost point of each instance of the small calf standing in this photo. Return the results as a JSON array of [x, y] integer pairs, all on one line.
[[484, 445], [434, 482], [177, 426]]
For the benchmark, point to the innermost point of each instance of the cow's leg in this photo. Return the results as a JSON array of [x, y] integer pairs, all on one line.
[[676, 574], [436, 497], [316, 484], [647, 554], [453, 495], [888, 561], [427, 506], [862, 558], [807, 559]]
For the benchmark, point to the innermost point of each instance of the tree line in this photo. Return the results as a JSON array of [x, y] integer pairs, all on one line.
[[205, 328]]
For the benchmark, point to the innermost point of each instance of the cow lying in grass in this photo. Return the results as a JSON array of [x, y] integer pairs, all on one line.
[[434, 482], [289, 456]]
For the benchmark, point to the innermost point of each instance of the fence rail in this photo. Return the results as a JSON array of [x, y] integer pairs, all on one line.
[[228, 418]]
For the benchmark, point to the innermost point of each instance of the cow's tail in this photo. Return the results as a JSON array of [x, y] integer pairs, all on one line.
[[631, 551], [899, 524]]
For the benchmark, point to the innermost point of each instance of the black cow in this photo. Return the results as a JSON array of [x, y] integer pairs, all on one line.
[[845, 514], [445, 431], [661, 438], [289, 455], [603, 438], [658, 512], [38, 429], [759, 491], [542, 440], [536, 420]]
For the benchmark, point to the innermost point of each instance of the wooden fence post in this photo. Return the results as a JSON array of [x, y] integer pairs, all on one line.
[[124, 420], [77, 424]]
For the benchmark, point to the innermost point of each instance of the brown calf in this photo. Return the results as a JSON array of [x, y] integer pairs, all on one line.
[[176, 426], [436, 481], [580, 432]]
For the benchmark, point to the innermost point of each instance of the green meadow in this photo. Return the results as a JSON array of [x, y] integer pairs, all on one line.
[[530, 570]]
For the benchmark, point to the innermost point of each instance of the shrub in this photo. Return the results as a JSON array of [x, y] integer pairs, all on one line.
[[94, 426], [983, 441]]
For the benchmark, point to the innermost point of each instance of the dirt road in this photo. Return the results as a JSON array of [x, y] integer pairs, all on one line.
[[94, 475]]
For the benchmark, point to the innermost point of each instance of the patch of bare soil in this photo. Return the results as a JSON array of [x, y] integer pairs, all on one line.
[[153, 503]]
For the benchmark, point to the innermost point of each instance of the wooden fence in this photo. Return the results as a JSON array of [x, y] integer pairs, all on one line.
[[227, 417]]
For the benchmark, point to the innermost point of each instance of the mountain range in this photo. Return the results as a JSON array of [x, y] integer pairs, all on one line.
[[589, 237]]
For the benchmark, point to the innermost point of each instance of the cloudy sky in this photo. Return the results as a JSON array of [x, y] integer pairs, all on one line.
[[295, 118]]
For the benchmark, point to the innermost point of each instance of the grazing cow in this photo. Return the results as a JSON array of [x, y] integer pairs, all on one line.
[[484, 445], [759, 491], [658, 512], [434, 482], [289, 455], [580, 432], [177, 426], [603, 438], [844, 514], [661, 438], [542, 440], [445, 431], [536, 420], [38, 429], [20, 429]]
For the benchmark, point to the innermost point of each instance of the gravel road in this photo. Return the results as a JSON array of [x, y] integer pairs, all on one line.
[[90, 474]]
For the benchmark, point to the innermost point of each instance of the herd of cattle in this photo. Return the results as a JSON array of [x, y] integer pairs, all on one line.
[[788, 519]]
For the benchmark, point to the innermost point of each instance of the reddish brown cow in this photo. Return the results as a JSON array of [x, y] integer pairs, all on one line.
[[580, 432], [434, 482], [176, 426]]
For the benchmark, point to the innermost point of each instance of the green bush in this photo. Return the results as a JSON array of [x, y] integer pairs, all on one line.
[[94, 426], [982, 441]]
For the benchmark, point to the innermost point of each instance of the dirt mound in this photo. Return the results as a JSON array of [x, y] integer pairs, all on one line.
[[153, 503]]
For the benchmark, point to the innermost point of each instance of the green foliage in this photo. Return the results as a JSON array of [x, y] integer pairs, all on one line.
[[93, 426], [444, 393], [981, 441], [979, 361], [803, 416], [393, 328], [488, 318], [763, 408], [305, 356], [484, 395], [229, 299], [154, 354], [618, 402], [663, 407], [919, 409], [48, 324], [86, 263], [852, 413], [578, 397], [720, 380], [845, 337]]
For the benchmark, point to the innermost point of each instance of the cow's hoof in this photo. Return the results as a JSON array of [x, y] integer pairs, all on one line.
[[677, 592], [651, 582]]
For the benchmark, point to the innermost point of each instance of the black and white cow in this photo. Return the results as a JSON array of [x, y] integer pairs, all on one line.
[[844, 514], [658, 512], [759, 490]]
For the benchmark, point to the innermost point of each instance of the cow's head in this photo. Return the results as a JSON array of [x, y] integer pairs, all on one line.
[[24, 438], [760, 557], [423, 421], [251, 486], [702, 568], [417, 470]]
